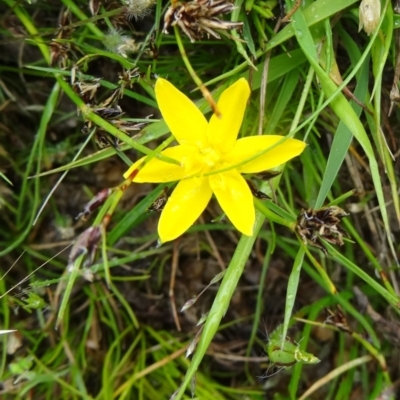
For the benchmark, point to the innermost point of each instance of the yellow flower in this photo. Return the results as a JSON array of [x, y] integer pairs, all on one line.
[[211, 159]]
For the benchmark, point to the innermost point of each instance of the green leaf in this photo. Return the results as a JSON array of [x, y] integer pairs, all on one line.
[[291, 292], [342, 140]]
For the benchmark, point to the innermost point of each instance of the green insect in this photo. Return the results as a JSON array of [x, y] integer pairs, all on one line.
[[289, 354]]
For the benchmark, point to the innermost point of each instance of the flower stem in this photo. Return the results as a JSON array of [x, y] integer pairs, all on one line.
[[206, 93]]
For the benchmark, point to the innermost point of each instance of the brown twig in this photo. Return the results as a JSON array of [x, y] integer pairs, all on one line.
[[292, 11], [214, 248]]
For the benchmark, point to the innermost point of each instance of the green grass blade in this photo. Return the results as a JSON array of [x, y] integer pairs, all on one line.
[[134, 216], [292, 286], [342, 140], [222, 299], [72, 275], [380, 53], [345, 112], [26, 217], [29, 25], [391, 298]]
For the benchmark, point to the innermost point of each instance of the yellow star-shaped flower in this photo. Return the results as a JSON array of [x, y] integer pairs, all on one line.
[[211, 159]]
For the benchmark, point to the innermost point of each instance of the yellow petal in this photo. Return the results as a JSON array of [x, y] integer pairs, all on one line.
[[235, 198], [249, 146], [223, 131], [160, 171], [183, 118], [187, 202]]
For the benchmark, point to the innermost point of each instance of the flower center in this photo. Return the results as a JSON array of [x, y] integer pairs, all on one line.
[[211, 157]]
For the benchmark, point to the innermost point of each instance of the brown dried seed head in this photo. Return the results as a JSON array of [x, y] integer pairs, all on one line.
[[197, 17], [314, 225], [94, 6], [138, 9], [95, 202], [86, 243]]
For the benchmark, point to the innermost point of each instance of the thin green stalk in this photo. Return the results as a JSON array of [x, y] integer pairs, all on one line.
[[368, 253], [92, 116], [222, 299], [63, 175], [35, 155], [297, 265], [30, 27], [72, 272], [390, 297], [239, 45], [259, 303], [291, 291], [206, 93], [81, 15], [318, 11], [271, 216], [4, 325]]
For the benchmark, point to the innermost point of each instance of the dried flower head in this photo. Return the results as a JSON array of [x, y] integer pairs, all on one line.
[[87, 89], [121, 44], [370, 15], [314, 225], [396, 7], [60, 46], [108, 109], [86, 243], [138, 9], [94, 6], [197, 17], [338, 319], [95, 202], [59, 54]]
